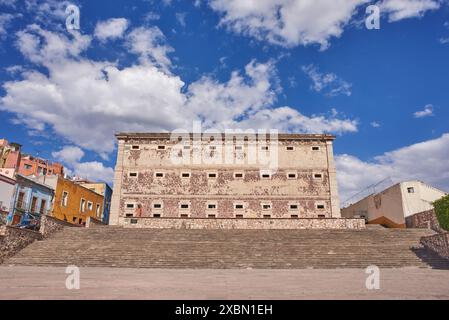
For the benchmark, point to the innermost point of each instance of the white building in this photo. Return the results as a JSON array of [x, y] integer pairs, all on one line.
[[391, 206], [7, 186]]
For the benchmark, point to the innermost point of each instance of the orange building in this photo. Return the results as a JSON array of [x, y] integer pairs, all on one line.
[[72, 202], [30, 165]]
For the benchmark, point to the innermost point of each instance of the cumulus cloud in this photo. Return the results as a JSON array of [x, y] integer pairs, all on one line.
[[375, 124], [111, 29], [427, 112], [426, 161], [71, 157], [404, 9], [288, 22], [149, 44], [329, 83], [87, 101]]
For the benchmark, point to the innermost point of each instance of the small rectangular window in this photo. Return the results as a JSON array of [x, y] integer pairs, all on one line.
[[315, 148], [184, 206], [156, 215], [130, 206], [292, 176], [134, 221], [211, 216], [290, 148], [133, 174], [320, 206], [238, 206], [129, 215], [294, 216], [159, 174], [266, 206], [83, 205], [238, 148], [266, 176], [293, 207], [185, 175], [267, 216], [157, 206], [161, 147], [90, 206], [65, 198], [135, 147], [211, 206], [318, 176], [186, 147], [238, 175], [411, 190], [321, 216], [264, 148], [239, 216], [212, 175], [184, 215]]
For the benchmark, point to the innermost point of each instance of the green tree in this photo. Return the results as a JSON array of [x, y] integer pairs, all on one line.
[[442, 212]]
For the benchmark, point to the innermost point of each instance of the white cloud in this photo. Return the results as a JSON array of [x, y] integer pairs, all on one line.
[[427, 112], [403, 9], [5, 19], [71, 157], [329, 83], [149, 44], [288, 22], [87, 101], [426, 161], [111, 29], [8, 3], [181, 17], [444, 40], [375, 124]]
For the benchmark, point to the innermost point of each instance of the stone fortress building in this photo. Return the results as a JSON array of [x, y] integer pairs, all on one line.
[[163, 175]]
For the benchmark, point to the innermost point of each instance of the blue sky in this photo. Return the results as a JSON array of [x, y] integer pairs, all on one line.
[[296, 66]]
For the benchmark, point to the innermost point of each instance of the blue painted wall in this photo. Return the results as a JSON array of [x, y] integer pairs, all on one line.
[[107, 203]]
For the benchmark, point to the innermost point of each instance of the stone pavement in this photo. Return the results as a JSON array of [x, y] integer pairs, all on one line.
[[21, 282]]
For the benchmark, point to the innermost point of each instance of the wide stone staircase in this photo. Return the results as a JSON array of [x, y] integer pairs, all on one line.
[[280, 249]]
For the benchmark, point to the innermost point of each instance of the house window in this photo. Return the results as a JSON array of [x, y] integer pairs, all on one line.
[[315, 148], [185, 175], [294, 207], [238, 206], [211, 216], [265, 175], [212, 175], [159, 174], [318, 176], [411, 190], [133, 174], [184, 206], [238, 148], [186, 147], [161, 147], [211, 206], [34, 204], [320, 206], [292, 175], [83, 205], [98, 210], [239, 216], [184, 215], [129, 215], [135, 147], [156, 215], [294, 216], [28, 167], [290, 148], [74, 219], [266, 206], [157, 205], [321, 216], [43, 206], [267, 216], [90, 206], [238, 175], [130, 206], [20, 200], [264, 148]]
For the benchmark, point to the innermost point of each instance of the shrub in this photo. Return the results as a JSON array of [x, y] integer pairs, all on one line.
[[442, 212]]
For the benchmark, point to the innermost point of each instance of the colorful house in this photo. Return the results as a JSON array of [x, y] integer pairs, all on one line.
[[30, 201], [9, 158], [105, 190], [72, 202], [30, 165], [7, 187]]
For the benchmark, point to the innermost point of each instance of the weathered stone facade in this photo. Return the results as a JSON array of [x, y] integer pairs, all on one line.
[[149, 184], [438, 243], [426, 219], [246, 224], [12, 240]]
